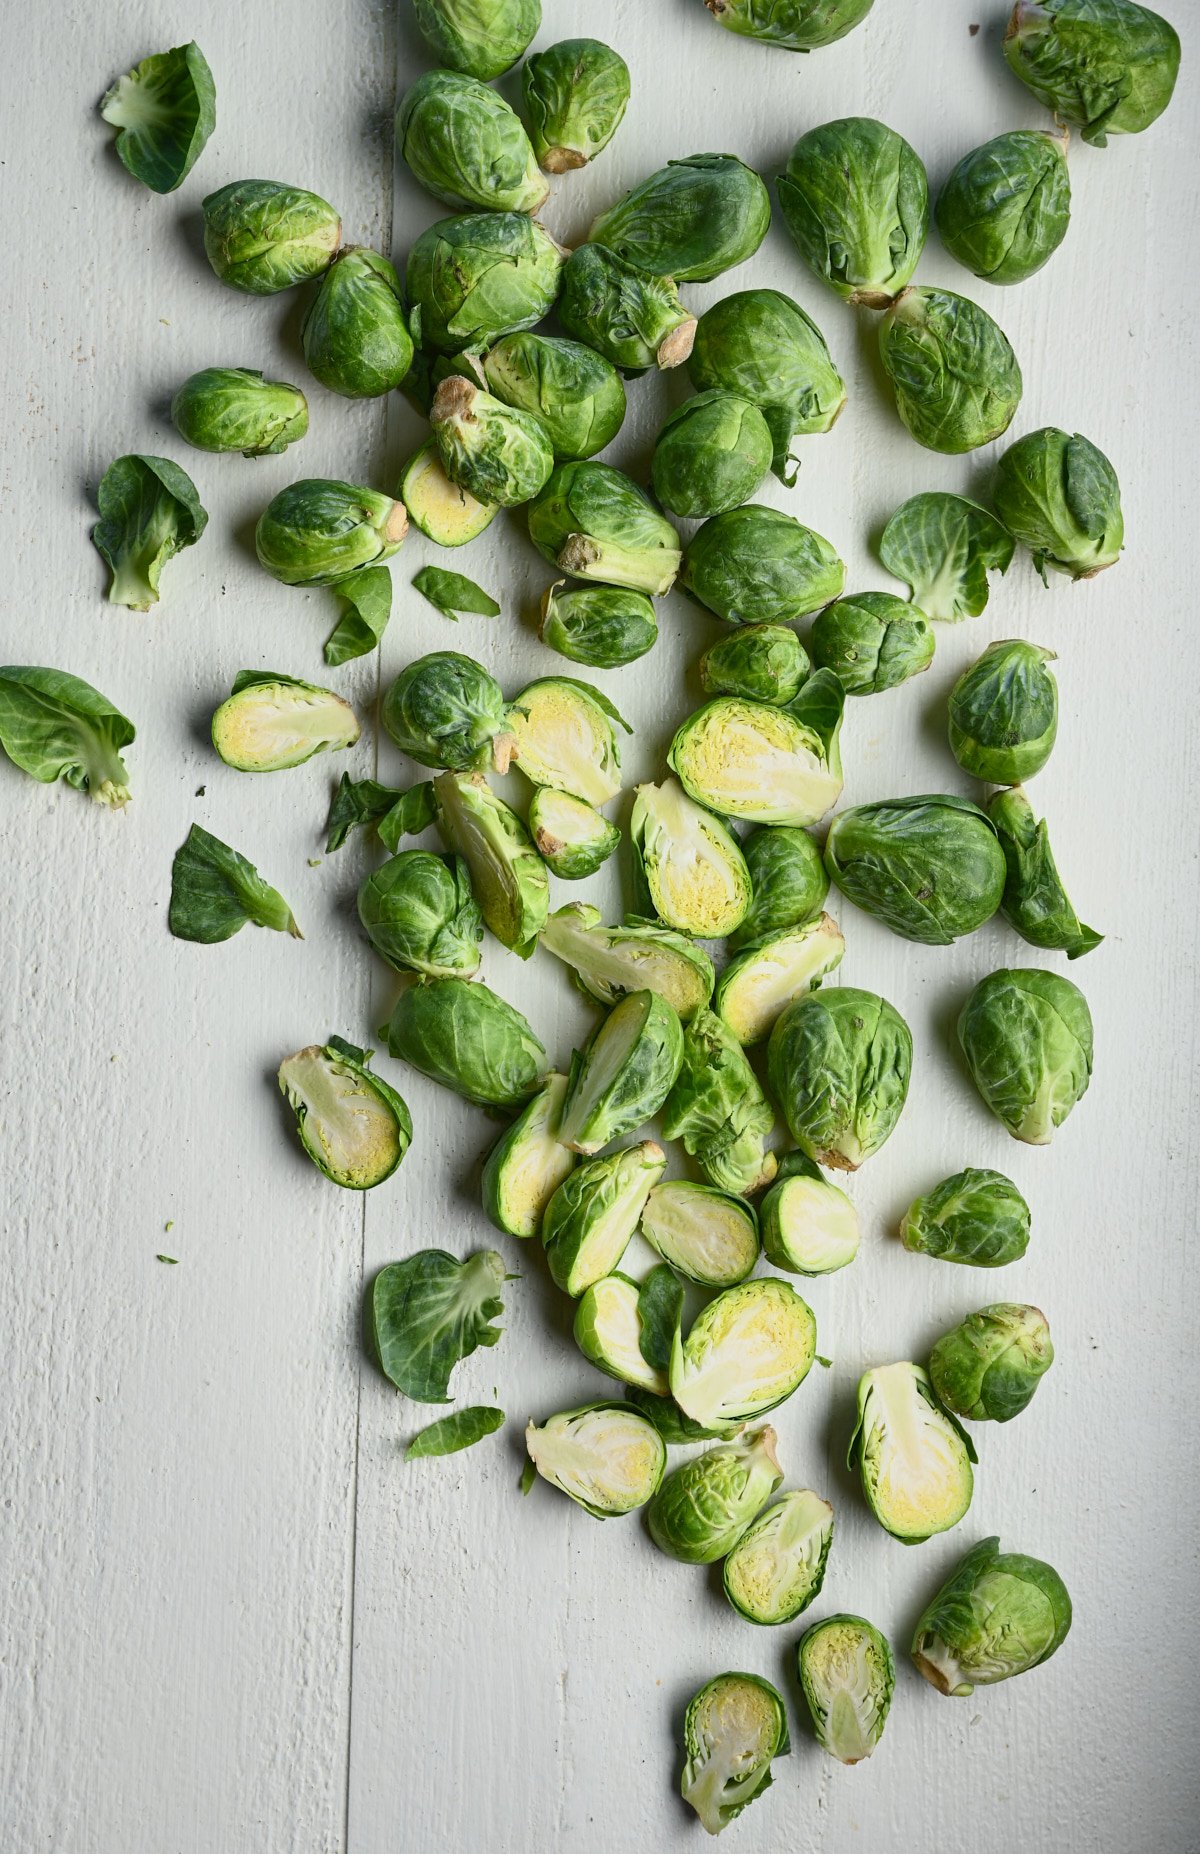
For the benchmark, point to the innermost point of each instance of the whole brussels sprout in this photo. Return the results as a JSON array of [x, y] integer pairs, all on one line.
[[315, 532], [718, 1109], [809, 1226], [745, 1352], [1004, 713], [443, 510], [777, 1567], [954, 374], [236, 409], [796, 25], [788, 880], [355, 333], [590, 1221], [624, 1073], [420, 915], [610, 962], [704, 1234], [1061, 499], [931, 868], [839, 1064], [606, 1456], [760, 662], [602, 626], [635, 320], [481, 275], [732, 1729], [571, 836], [262, 236], [760, 345], [847, 1676], [711, 455], [756, 565], [459, 1033], [871, 641], [1006, 207], [575, 96], [977, 1217], [1027, 1038], [609, 1332], [749, 760], [988, 1368], [445, 710], [574, 393], [484, 38], [465, 145], [1108, 65], [704, 1505], [1035, 901], [758, 984], [493, 451], [593, 523], [856, 200], [688, 865], [507, 874], [565, 736], [691, 220], [1000, 1614], [913, 1457], [527, 1164]]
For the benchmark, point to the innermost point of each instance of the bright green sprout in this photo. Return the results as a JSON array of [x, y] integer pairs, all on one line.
[[989, 1366], [745, 1352], [1004, 713], [508, 876], [756, 565], [1000, 1614], [590, 521], [839, 1064], [1027, 1038], [913, 1458], [575, 95], [571, 836], [691, 220], [446, 710], [719, 1111], [478, 276], [316, 531], [624, 1073], [758, 985], [484, 38], [633, 319], [354, 1127], [463, 143], [527, 1164], [602, 626], [847, 1675], [794, 25], [704, 1506], [575, 394], [262, 236], [236, 409], [777, 1567], [271, 722], [494, 451], [954, 374], [760, 662], [732, 1729], [689, 865], [608, 1331], [789, 880], [610, 962], [931, 867], [419, 914], [872, 642], [591, 1218], [977, 1217], [1006, 207], [711, 456], [856, 200], [762, 346], [355, 333], [1059, 496], [606, 1457], [1107, 65], [461, 1034]]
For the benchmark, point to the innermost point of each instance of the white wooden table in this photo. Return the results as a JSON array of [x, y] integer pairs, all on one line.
[[231, 1618]]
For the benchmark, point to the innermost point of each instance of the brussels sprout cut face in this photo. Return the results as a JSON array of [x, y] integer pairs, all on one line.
[[839, 1064], [262, 236], [872, 642], [704, 1506], [610, 962], [465, 145], [931, 868], [272, 722], [445, 511], [977, 1217], [1005, 209], [593, 523], [353, 1126], [694, 873], [571, 837], [711, 455], [732, 1729], [624, 1074], [564, 737], [761, 982], [476, 277], [484, 38], [1000, 1614], [1027, 1038], [1004, 713], [708, 1236], [1035, 901], [988, 1368], [796, 25], [760, 345], [749, 1349], [788, 877], [1060, 497], [914, 1460], [692, 220], [315, 532], [528, 1163], [507, 874], [632, 319], [420, 915], [945, 547], [809, 1226], [462, 1035], [590, 1220], [856, 201], [777, 1567], [496, 452], [575, 394], [604, 1456], [235, 409], [718, 1109], [602, 626], [749, 760], [355, 333], [1108, 65], [755, 565], [847, 1674], [575, 96], [955, 377], [608, 1331]]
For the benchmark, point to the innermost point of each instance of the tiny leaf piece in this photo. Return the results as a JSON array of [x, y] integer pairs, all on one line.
[[452, 1433], [56, 726], [149, 512], [944, 547], [528, 1477], [215, 891], [430, 1311], [164, 111], [453, 593], [660, 1310], [368, 606]]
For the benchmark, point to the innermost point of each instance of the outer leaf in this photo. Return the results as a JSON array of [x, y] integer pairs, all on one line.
[[429, 1312], [56, 726], [413, 812], [215, 891], [452, 1433], [149, 511], [1035, 901], [368, 606], [165, 109], [453, 593], [660, 1310], [357, 802], [945, 546]]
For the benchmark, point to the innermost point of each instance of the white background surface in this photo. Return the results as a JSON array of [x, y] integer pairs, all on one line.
[[231, 1618]]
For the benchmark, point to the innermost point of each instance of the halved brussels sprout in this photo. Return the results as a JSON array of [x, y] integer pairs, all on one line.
[[747, 1351], [760, 983], [945, 546], [236, 409], [777, 1567], [1035, 901], [760, 662], [446, 710], [761, 345], [954, 374], [575, 96], [1060, 497], [691, 220], [478, 276], [610, 962], [574, 393], [914, 1459], [593, 523], [624, 1073], [1108, 65], [732, 1729], [271, 722], [749, 760], [564, 737], [316, 531], [1027, 1038], [989, 1366], [606, 1456], [463, 143], [711, 455], [355, 333], [507, 874], [856, 200], [570, 835], [634, 320], [262, 235], [445, 511], [164, 111], [527, 1164], [796, 25], [690, 865], [420, 915], [705, 1234], [495, 451], [931, 867], [718, 1109], [459, 1033], [1000, 1614], [809, 1226], [872, 642], [591, 1218], [847, 1675], [608, 1331], [839, 1064], [977, 1217], [789, 882], [704, 1505], [1005, 208], [354, 1127], [1004, 713], [602, 626], [484, 38], [756, 565]]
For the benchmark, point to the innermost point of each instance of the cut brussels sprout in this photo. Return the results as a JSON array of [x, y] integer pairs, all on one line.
[[1027, 1038], [795, 25], [56, 726], [564, 737], [606, 1457], [912, 1456], [954, 374], [756, 565], [749, 760], [608, 1331], [711, 455], [705, 1234], [353, 1126], [593, 523], [215, 891], [611, 962], [690, 865], [459, 1033], [1107, 65], [484, 38], [446, 710], [1035, 901], [872, 642], [164, 111], [494, 451], [856, 201], [945, 547], [624, 1073], [1000, 1614], [316, 531], [760, 662], [236, 409], [507, 874], [478, 276], [758, 985], [527, 1164], [355, 334], [575, 394], [787, 874], [575, 95], [420, 915], [591, 1218], [839, 1064], [732, 1729], [602, 626], [570, 835], [777, 1567], [747, 1351], [1006, 207], [634, 320], [463, 143], [847, 1675], [443, 510], [271, 722], [149, 512], [719, 1111], [1060, 497], [430, 1311], [691, 220], [262, 235], [1004, 713], [977, 1217], [760, 345], [669, 1420], [704, 1505], [989, 1366], [931, 868], [809, 1226]]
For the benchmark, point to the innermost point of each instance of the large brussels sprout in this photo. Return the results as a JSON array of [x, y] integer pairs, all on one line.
[[711, 455], [443, 510], [149, 512], [1107, 65], [164, 111], [777, 1567], [606, 1456], [602, 626], [745, 1352], [635, 320], [1000, 1614], [732, 1729], [317, 531], [856, 200], [262, 236], [718, 1109], [704, 1505], [527, 1164], [1005, 209], [839, 1064], [989, 1366], [762, 662], [691, 220], [575, 95], [796, 25], [789, 880], [705, 1234], [420, 915], [809, 1226], [1004, 713], [610, 962], [750, 760], [236, 409], [481, 37], [478, 276], [871, 641], [354, 1127], [945, 546], [1059, 496], [761, 345], [271, 722], [457, 1032], [847, 1675], [1027, 1038], [931, 868], [497, 452], [1035, 901], [954, 374], [571, 836], [593, 523], [56, 726], [565, 736], [689, 865], [977, 1217], [762, 981], [507, 875], [608, 1331], [624, 1074], [591, 1218], [445, 710], [575, 394], [465, 145], [355, 334], [913, 1458], [756, 565]]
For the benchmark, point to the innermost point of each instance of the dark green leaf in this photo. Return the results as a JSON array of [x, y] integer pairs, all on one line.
[[367, 597], [452, 1433], [413, 812], [453, 593], [215, 891], [528, 1477], [149, 511], [356, 802], [429, 1312], [660, 1309], [164, 110]]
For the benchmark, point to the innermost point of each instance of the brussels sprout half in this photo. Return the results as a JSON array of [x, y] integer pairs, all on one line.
[[1004, 713], [977, 1217], [839, 1064], [262, 236], [1027, 1038], [602, 626], [989, 1366], [634, 320], [847, 1675], [1035, 901], [570, 836], [913, 1458], [710, 456], [461, 1034], [931, 867], [527, 1164], [756, 565], [476, 277], [1060, 497], [750, 760], [732, 1729], [787, 875], [999, 1614], [445, 710], [690, 866], [443, 510], [760, 983], [236, 409], [761, 345], [747, 1351], [777, 1567], [575, 95], [718, 1109], [271, 722], [624, 1073], [606, 1457], [954, 374], [795, 25], [496, 452], [354, 1127], [463, 143], [318, 531], [608, 1331], [355, 333], [856, 200], [705, 1234], [564, 737], [704, 1505], [593, 523], [592, 1216], [419, 914], [1005, 208], [760, 662], [1108, 65], [484, 38], [575, 394], [872, 642], [507, 874], [691, 220], [611, 962], [809, 1226]]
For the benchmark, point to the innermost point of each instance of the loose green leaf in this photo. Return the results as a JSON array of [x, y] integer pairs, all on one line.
[[56, 726], [945, 546], [452, 1433], [215, 891], [357, 802], [660, 1310], [528, 1477], [429, 1312], [453, 593], [413, 812], [164, 111], [149, 512], [173, 1259], [368, 606]]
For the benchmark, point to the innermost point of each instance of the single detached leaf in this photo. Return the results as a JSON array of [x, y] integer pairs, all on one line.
[[149, 511], [164, 110], [215, 891], [429, 1312], [368, 606], [55, 726], [528, 1477], [452, 1433], [660, 1309], [453, 593], [413, 812], [355, 803], [944, 547]]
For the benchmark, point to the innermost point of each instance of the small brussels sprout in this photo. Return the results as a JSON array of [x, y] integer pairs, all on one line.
[[602, 626], [607, 1457], [762, 981], [1005, 209], [789, 882], [355, 335], [760, 345], [809, 1226], [746, 1351], [575, 96], [1000, 1614], [756, 565], [633, 319], [988, 1368], [478, 276], [564, 736], [839, 1064], [777, 1567], [945, 546], [912, 1456], [484, 38], [711, 455], [463, 143], [164, 111], [1059, 496], [608, 1331], [420, 915], [494, 451], [527, 1164], [149, 512], [590, 521], [1004, 713], [445, 710], [624, 1074], [847, 1675], [459, 1033], [691, 220], [760, 662], [955, 377], [56, 726], [931, 868], [317, 531], [354, 1127], [1035, 901], [690, 866], [856, 201], [977, 1217], [704, 1505], [1027, 1038], [271, 722], [705, 1234], [507, 874], [749, 760], [1107, 65], [445, 511], [262, 236], [575, 394], [795, 25], [872, 642], [236, 409], [610, 962], [571, 836], [719, 1111], [591, 1219], [732, 1729]]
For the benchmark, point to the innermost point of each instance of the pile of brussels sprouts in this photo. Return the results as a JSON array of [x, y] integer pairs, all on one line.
[[734, 843]]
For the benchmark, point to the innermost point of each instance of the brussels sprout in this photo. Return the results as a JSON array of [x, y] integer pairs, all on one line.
[[236, 409], [931, 868], [575, 96], [606, 1457], [690, 866], [787, 874], [747, 1351], [704, 1505], [758, 565], [355, 336], [56, 726], [443, 510], [1000, 1614], [1035, 901], [977, 1217], [839, 1064], [564, 737], [481, 37], [633, 319], [494, 451], [430, 1311], [761, 662], [610, 962], [691, 220], [988, 1368], [316, 531], [262, 236], [955, 377], [718, 1109], [590, 521], [796, 25], [463, 143], [420, 915], [760, 345], [1005, 209], [164, 111], [945, 547], [1107, 65], [856, 201], [527, 1164], [749, 760], [1061, 499], [1027, 1038], [913, 1457], [571, 836], [732, 1729], [353, 1126], [809, 1226], [149, 512], [711, 455], [707, 1235], [847, 1675], [777, 1567], [608, 1332], [590, 1220], [669, 1420], [271, 722], [872, 642], [459, 1033], [1004, 713], [445, 710], [624, 1074], [215, 891], [507, 874], [602, 626], [762, 981], [481, 275], [576, 395]]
